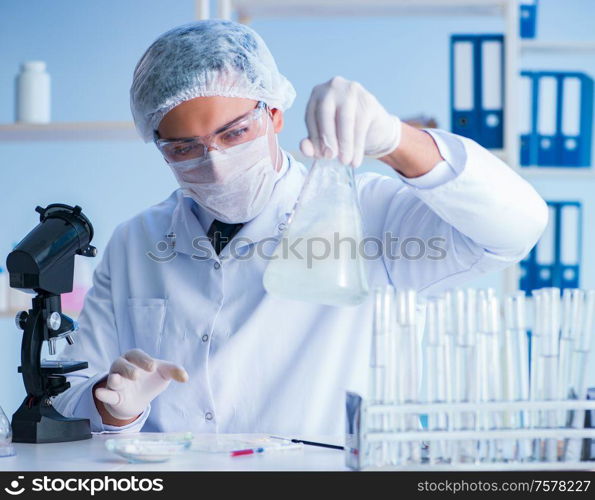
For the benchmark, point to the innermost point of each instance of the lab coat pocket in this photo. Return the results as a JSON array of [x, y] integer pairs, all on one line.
[[147, 318]]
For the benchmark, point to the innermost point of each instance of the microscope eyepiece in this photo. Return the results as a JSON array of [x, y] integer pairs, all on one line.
[[44, 260]]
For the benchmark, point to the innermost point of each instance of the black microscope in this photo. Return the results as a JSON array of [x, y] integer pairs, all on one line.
[[43, 263]]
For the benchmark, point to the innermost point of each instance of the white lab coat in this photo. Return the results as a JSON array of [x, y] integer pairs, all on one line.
[[258, 363]]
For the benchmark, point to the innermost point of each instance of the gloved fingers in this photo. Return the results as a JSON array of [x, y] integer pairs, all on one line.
[[115, 381], [346, 122], [311, 125], [307, 147], [141, 359], [359, 140], [108, 396], [325, 118], [125, 368], [169, 371]]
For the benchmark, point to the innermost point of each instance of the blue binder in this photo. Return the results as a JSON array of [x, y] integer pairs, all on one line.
[[477, 87], [528, 112], [576, 122], [528, 18], [560, 105], [555, 260]]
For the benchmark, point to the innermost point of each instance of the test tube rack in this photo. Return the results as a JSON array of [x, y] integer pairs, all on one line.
[[375, 439]]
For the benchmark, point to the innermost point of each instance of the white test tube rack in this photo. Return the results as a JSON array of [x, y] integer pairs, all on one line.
[[362, 440]]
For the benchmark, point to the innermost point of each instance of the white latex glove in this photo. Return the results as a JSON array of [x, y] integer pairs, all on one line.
[[344, 119], [134, 380]]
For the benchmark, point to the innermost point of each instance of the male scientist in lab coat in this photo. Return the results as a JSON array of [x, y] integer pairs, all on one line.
[[210, 97]]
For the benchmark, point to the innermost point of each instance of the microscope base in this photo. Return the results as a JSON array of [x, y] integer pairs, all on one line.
[[43, 424]]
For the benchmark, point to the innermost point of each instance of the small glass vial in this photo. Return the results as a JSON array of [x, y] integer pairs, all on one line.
[[33, 93]]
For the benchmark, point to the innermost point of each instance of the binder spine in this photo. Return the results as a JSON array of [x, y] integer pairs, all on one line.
[[561, 110], [528, 18], [556, 259], [477, 88]]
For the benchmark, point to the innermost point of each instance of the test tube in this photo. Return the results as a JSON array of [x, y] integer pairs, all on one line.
[[536, 368], [551, 308], [488, 367], [516, 369], [580, 357], [437, 369], [378, 369], [582, 346], [573, 300], [409, 370], [465, 319]]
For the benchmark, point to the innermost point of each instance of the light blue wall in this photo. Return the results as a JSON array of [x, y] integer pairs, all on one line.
[[91, 49]]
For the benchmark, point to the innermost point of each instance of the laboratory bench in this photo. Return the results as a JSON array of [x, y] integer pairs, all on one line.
[[92, 455]]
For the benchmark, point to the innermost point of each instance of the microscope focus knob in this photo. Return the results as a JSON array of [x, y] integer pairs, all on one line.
[[21, 319], [54, 321]]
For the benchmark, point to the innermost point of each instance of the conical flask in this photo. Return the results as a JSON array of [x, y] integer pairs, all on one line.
[[6, 448], [318, 258]]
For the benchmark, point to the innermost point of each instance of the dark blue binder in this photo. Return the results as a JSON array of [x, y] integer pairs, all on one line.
[[477, 87], [528, 18], [555, 260], [560, 105]]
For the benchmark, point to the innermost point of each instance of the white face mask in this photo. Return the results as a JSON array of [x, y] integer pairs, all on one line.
[[234, 184]]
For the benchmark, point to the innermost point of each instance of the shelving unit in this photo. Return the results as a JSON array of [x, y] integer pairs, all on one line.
[[68, 131], [554, 46]]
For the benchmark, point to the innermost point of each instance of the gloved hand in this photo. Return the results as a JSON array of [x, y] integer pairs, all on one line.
[[134, 380], [344, 119]]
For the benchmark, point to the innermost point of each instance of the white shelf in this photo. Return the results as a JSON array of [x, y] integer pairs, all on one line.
[[322, 8], [69, 131], [558, 172], [560, 46]]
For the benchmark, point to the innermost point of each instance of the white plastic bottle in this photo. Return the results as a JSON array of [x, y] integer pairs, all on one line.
[[4, 287], [33, 93]]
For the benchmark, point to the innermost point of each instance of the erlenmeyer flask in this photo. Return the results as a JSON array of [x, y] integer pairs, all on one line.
[[6, 448], [318, 258]]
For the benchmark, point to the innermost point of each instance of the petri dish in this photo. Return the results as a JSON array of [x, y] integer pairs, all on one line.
[[150, 448]]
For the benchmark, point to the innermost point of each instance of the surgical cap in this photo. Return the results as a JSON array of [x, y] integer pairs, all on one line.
[[205, 58]]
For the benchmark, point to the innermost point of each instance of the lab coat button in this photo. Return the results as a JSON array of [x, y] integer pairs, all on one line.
[[282, 226], [205, 337], [216, 265], [208, 416]]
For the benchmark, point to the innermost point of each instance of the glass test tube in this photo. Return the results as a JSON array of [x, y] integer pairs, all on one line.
[[573, 300], [516, 369], [464, 316], [551, 308], [378, 369], [438, 376], [580, 357], [410, 363]]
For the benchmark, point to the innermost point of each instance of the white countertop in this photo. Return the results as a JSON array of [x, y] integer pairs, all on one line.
[[92, 455]]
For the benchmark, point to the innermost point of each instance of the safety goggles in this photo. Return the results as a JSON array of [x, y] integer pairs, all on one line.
[[243, 129]]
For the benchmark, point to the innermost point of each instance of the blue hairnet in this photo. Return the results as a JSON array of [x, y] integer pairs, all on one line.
[[204, 58]]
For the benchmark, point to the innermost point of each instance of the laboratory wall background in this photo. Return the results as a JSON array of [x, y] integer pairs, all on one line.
[[91, 49]]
